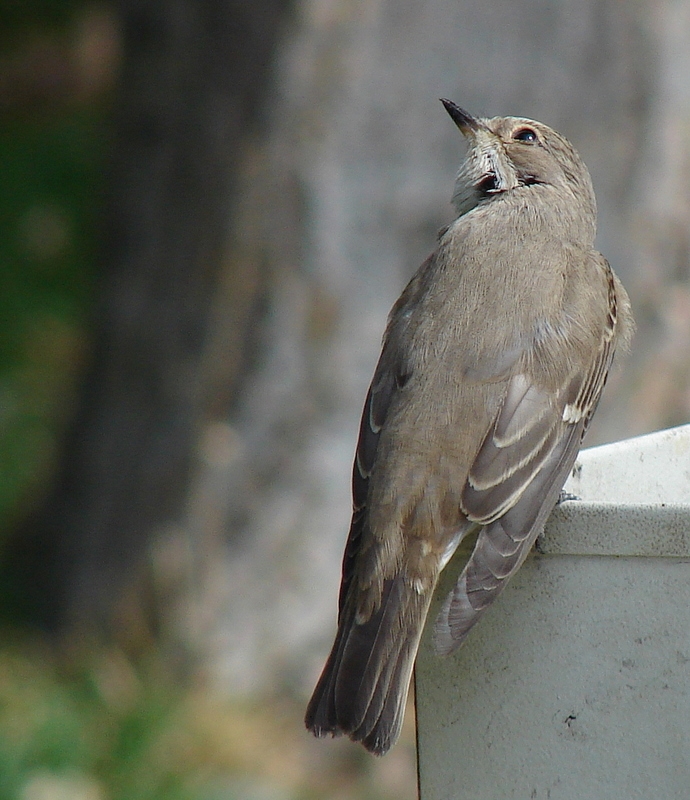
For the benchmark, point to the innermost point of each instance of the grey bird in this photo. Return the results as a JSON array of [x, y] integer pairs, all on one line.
[[493, 362]]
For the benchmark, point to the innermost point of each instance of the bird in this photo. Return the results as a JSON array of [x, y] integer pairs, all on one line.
[[493, 362]]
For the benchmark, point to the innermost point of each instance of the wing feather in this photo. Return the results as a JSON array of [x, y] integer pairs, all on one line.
[[376, 405], [503, 545], [514, 483]]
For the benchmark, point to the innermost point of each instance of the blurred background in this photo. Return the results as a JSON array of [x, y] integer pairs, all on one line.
[[207, 208]]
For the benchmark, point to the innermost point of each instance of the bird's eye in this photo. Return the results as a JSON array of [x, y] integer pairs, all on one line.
[[528, 135]]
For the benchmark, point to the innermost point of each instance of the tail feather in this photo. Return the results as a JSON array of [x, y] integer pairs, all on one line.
[[363, 688], [386, 731]]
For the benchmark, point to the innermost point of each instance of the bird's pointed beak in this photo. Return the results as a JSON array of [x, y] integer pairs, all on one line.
[[469, 125]]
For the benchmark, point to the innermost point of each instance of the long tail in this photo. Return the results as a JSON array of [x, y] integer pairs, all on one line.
[[363, 688]]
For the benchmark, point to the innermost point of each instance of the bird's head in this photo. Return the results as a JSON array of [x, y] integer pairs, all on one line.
[[512, 154]]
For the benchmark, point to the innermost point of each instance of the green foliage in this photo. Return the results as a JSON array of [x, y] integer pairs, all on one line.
[[50, 158], [49, 172], [102, 732], [18, 16], [96, 726]]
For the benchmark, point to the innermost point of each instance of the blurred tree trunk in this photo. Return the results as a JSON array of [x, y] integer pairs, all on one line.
[[194, 76]]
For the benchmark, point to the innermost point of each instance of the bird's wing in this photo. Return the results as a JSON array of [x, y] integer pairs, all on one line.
[[376, 405], [391, 374], [514, 483], [363, 686]]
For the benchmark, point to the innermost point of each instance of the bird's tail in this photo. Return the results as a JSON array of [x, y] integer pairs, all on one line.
[[363, 688]]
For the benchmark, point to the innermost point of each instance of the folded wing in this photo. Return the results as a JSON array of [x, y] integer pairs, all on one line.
[[514, 483]]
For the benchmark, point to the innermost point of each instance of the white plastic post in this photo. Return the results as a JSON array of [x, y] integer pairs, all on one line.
[[576, 683]]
